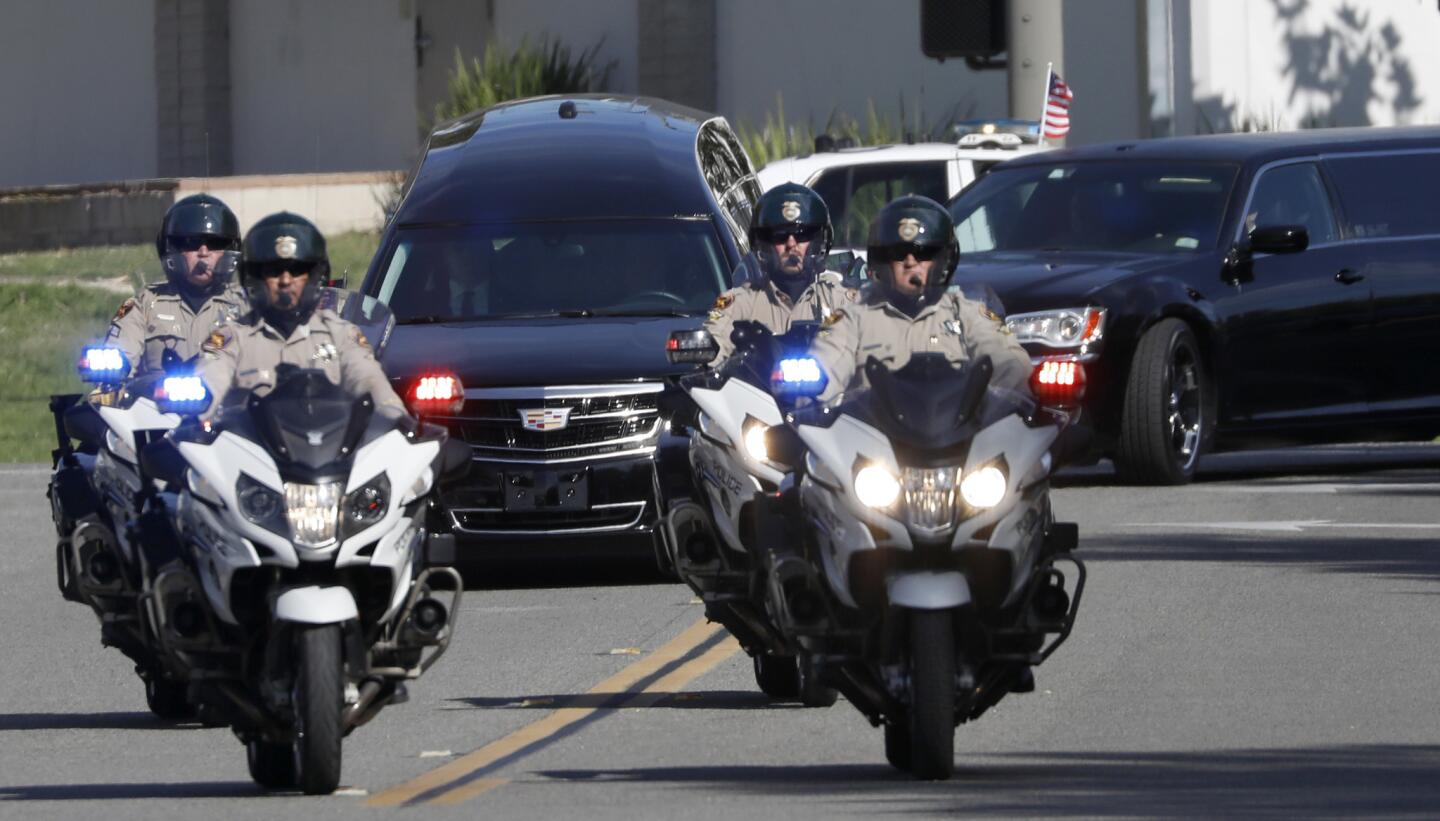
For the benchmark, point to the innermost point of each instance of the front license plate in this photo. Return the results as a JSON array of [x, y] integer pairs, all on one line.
[[546, 490]]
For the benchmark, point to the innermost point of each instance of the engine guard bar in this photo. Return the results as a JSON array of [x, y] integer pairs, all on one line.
[[1062, 628], [441, 643]]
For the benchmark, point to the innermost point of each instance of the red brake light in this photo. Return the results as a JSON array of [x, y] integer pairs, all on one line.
[[436, 395], [1058, 382]]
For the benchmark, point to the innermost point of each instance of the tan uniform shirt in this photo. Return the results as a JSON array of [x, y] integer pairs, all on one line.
[[960, 328], [159, 319], [771, 307], [243, 357]]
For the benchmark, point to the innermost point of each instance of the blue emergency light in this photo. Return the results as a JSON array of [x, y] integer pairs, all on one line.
[[103, 365], [797, 376], [185, 395]]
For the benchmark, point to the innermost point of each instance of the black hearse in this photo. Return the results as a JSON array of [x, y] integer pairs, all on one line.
[[1221, 290], [543, 252]]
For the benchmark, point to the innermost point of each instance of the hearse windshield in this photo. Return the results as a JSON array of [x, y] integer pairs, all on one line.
[[620, 267], [1137, 207]]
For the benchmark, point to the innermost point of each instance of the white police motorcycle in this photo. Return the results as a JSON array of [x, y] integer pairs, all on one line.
[[716, 543], [915, 561], [97, 493], [305, 602]]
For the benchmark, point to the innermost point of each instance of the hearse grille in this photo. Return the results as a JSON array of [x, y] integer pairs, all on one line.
[[622, 420]]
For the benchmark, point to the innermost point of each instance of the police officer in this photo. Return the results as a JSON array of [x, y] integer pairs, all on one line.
[[199, 245], [284, 267], [909, 308], [790, 236]]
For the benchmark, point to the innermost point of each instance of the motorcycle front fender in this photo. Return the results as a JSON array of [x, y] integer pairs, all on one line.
[[316, 605], [924, 590]]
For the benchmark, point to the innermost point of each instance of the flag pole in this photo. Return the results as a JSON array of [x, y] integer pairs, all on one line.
[[1045, 101]]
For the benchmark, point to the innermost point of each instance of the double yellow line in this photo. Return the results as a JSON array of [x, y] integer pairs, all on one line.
[[470, 775]]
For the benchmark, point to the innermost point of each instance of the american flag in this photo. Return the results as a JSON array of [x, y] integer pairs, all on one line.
[[1058, 97]]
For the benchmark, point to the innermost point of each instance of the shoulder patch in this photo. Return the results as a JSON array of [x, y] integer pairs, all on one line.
[[125, 307], [990, 315], [834, 317], [358, 337], [724, 301]]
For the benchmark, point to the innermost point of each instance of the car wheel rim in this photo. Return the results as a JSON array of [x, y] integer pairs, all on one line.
[[1185, 407]]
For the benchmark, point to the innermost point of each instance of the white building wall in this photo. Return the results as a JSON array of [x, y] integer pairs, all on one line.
[[77, 92], [579, 26], [1288, 64], [323, 85], [824, 55], [1105, 67]]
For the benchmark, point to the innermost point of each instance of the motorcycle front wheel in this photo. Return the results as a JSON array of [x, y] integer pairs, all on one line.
[[319, 702], [932, 694]]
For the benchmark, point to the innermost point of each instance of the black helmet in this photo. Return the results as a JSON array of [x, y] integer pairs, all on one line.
[[290, 242], [917, 225], [189, 222], [791, 209]]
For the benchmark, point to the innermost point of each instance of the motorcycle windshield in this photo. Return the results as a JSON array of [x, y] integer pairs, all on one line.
[[930, 404], [308, 424], [372, 316]]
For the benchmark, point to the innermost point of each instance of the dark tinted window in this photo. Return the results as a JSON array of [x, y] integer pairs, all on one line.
[[1292, 195], [1391, 196], [855, 194], [605, 266], [1140, 207]]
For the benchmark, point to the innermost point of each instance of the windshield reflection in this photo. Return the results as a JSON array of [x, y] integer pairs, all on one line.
[[633, 267], [1131, 207]]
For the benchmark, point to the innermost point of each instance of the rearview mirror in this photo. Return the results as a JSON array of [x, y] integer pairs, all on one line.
[[1279, 239]]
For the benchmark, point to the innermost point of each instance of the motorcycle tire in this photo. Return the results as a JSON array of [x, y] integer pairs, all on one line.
[[777, 676], [319, 701], [167, 699], [813, 693], [897, 744], [272, 765], [932, 695]]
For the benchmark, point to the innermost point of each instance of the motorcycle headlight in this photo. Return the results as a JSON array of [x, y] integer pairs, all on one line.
[[367, 505], [753, 432], [312, 511], [262, 505], [1061, 328], [984, 488], [876, 487]]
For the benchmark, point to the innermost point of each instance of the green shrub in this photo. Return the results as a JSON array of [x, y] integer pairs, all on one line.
[[777, 138], [528, 71]]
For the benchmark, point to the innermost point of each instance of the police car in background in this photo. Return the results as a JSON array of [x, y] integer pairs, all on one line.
[[856, 182]]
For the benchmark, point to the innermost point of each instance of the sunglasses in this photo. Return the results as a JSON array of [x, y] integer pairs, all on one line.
[[780, 236], [192, 242], [898, 253]]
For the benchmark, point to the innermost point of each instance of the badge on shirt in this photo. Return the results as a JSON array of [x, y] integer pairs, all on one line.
[[715, 315], [325, 352], [953, 326]]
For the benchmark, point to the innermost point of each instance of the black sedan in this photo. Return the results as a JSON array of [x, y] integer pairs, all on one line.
[[1206, 292]]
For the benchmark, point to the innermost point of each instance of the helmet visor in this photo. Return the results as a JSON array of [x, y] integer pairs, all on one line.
[[193, 242], [780, 235], [899, 251]]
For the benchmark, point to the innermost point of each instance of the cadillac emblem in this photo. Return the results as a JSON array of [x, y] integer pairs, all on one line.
[[544, 419], [909, 229], [790, 210], [285, 247]]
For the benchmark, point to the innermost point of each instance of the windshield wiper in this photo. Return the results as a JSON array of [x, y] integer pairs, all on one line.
[[654, 312], [429, 319]]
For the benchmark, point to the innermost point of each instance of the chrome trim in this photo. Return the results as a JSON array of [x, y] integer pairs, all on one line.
[[645, 451], [603, 443], [572, 419], [565, 391], [635, 520]]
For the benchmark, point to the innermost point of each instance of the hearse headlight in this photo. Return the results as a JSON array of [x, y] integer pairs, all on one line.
[[1060, 328]]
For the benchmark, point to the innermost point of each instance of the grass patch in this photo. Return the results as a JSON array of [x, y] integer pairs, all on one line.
[[44, 326]]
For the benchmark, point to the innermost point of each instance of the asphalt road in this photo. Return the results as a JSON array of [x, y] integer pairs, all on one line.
[[1261, 643]]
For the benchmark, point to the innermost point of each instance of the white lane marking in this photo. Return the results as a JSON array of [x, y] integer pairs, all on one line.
[[25, 471], [1319, 487], [1297, 526]]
